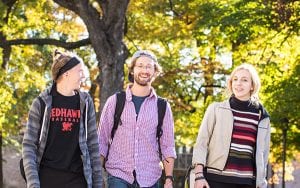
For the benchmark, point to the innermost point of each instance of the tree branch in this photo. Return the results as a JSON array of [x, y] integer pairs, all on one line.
[[199, 90], [66, 45], [113, 11], [5, 58], [68, 4], [82, 8], [172, 9], [9, 4]]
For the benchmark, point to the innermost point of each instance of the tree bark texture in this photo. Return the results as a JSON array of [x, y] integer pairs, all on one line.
[[106, 31]]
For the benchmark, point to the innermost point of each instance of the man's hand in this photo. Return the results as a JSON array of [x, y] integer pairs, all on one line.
[[168, 183], [168, 166]]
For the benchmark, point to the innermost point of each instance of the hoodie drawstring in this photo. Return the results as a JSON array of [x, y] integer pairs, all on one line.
[[86, 105]]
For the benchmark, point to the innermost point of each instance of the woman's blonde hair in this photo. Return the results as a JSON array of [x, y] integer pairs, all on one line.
[[254, 97]]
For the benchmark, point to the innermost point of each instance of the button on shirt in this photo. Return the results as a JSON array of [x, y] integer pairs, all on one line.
[[134, 146]]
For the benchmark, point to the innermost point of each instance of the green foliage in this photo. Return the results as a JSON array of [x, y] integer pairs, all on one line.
[[20, 83], [283, 101]]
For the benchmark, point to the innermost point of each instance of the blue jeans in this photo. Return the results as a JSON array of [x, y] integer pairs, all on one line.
[[115, 182]]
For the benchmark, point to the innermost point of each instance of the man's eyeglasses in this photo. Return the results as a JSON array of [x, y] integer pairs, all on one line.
[[147, 67]]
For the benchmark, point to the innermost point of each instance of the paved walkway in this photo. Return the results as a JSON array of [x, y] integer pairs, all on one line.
[[13, 179]]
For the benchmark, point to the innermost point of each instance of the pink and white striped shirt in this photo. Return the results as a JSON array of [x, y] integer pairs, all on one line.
[[134, 146]]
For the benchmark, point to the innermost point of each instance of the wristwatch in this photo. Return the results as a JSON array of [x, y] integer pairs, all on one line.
[[196, 164], [169, 177]]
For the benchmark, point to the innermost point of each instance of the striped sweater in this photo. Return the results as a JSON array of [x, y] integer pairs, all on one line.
[[240, 165]]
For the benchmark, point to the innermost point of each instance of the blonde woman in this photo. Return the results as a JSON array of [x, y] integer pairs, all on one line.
[[60, 145], [232, 146]]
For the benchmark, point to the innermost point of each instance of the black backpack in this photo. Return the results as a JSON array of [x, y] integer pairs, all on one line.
[[43, 105], [121, 98]]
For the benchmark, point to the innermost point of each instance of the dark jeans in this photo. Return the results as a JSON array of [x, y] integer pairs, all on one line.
[[214, 184], [53, 178], [115, 182]]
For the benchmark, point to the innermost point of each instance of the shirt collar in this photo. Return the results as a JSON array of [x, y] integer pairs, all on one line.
[[129, 93]]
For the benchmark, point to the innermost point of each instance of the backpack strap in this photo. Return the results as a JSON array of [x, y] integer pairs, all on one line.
[[187, 178], [121, 98], [161, 107]]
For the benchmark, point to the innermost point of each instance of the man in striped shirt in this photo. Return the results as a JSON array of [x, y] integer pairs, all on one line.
[[133, 159]]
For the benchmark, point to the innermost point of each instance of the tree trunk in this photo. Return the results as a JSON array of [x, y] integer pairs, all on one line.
[[1, 170], [111, 77], [106, 31]]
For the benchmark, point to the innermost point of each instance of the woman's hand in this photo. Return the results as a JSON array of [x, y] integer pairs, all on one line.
[[201, 183]]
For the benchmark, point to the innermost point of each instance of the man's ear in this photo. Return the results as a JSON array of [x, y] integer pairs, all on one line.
[[130, 77]]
